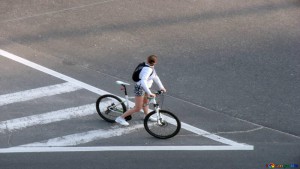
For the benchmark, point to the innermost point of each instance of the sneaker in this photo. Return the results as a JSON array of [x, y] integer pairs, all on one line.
[[121, 121]]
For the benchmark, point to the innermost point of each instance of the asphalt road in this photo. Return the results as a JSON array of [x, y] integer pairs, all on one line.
[[230, 68]]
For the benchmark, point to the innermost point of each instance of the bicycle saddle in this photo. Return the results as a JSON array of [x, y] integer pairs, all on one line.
[[122, 83]]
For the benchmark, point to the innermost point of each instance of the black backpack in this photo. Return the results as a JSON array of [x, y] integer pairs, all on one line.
[[137, 71]]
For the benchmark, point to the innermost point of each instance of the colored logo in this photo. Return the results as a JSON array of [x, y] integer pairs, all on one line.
[[272, 165]]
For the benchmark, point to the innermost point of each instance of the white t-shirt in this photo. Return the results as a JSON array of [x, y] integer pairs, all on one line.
[[147, 80]]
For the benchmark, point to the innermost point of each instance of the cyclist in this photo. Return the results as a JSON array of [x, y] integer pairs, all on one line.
[[142, 89]]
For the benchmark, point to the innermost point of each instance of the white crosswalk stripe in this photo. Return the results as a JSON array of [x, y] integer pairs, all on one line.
[[39, 119], [85, 137], [38, 93]]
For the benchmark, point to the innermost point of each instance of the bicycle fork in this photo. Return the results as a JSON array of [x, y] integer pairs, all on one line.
[[157, 112]]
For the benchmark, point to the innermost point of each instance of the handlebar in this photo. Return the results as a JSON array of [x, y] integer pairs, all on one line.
[[159, 92], [152, 100]]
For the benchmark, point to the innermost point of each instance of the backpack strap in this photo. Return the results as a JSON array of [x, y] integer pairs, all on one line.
[[149, 66]]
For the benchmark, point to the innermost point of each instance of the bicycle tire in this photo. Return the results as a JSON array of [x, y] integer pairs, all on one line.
[[107, 109], [164, 130]]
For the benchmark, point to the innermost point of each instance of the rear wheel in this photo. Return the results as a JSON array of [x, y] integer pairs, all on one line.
[[166, 126], [109, 107]]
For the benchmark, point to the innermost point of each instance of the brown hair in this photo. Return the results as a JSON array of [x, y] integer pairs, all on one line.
[[152, 59]]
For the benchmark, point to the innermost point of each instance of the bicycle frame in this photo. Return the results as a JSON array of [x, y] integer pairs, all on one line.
[[126, 96], [151, 101]]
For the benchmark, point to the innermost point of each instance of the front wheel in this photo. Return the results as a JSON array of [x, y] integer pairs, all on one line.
[[165, 125], [109, 107]]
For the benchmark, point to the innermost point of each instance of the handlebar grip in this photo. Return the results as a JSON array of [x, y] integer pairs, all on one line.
[[159, 92]]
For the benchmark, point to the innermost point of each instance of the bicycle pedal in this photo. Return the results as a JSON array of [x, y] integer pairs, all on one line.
[[128, 118]]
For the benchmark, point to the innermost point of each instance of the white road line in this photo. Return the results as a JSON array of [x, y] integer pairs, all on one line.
[[203, 133], [122, 148], [37, 93], [102, 92], [85, 137], [52, 72], [209, 135], [55, 116]]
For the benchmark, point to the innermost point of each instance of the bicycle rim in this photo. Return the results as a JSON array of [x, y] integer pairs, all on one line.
[[168, 126], [109, 107]]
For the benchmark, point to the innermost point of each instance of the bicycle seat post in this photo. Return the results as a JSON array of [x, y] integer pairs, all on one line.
[[123, 84], [125, 90]]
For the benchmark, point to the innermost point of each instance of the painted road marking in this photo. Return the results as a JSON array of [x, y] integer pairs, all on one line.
[[38, 93], [52, 72], [85, 137], [209, 135], [232, 144], [122, 148], [46, 118]]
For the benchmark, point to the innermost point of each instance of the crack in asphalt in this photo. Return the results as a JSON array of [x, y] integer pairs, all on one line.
[[57, 11]]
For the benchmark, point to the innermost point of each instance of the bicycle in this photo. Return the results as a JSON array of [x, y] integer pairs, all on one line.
[[156, 123]]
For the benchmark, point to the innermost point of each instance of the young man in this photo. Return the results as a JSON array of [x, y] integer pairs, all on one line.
[[142, 89]]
